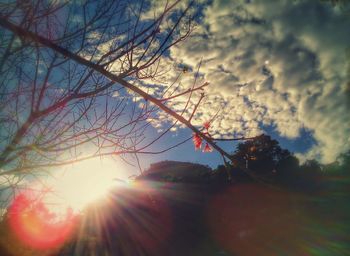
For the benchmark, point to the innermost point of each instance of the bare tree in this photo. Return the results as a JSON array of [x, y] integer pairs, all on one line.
[[76, 74]]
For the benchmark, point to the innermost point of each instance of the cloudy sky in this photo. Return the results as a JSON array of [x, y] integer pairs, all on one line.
[[279, 67], [275, 67]]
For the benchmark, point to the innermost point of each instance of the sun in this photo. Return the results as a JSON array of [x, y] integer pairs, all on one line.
[[82, 183], [44, 215]]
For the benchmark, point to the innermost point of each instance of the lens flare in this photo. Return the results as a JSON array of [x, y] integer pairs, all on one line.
[[133, 220], [36, 226], [45, 215]]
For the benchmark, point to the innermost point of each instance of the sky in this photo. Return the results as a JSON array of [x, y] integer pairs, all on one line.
[[274, 67]]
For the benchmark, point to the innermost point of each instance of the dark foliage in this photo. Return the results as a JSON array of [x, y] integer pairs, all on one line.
[[262, 156]]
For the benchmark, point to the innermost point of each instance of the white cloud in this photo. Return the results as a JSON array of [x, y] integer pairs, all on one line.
[[274, 63]]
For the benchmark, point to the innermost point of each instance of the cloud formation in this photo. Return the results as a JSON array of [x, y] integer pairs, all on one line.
[[283, 64]]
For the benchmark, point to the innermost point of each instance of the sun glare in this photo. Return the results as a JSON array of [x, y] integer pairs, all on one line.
[[83, 183], [45, 215]]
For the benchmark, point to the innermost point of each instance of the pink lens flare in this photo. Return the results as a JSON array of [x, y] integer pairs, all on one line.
[[36, 226]]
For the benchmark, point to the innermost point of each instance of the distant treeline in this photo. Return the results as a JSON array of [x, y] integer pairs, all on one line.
[[261, 160]]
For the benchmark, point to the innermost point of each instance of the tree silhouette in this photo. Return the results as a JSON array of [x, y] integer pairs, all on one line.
[[262, 157]]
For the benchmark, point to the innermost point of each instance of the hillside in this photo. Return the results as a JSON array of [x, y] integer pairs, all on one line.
[[175, 171]]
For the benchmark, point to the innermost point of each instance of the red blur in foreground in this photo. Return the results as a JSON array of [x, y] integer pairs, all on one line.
[[36, 226], [252, 219]]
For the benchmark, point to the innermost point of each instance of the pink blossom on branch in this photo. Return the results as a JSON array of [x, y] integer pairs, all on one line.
[[197, 141], [207, 148], [206, 125]]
